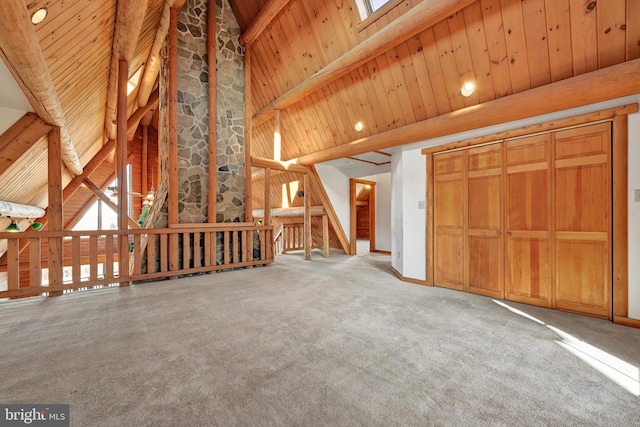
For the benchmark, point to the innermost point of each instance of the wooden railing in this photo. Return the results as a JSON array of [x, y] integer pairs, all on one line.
[[89, 259], [293, 237]]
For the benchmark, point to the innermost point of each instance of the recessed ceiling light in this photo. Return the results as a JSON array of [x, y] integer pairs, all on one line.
[[39, 15], [467, 89], [358, 127]]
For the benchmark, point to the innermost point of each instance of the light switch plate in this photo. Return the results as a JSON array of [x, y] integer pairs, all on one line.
[[636, 195], [423, 205]]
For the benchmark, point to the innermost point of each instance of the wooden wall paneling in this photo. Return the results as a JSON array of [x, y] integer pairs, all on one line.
[[611, 26], [462, 55], [322, 121], [436, 75], [317, 57], [339, 130], [481, 64], [620, 217], [368, 103], [496, 47], [582, 202], [376, 85], [584, 37], [449, 213], [423, 80], [535, 30], [396, 61], [528, 215], [633, 30], [516, 44], [559, 39], [411, 80], [448, 63], [484, 247], [267, 14], [346, 97]]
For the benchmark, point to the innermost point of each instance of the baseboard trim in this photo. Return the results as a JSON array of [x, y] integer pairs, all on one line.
[[380, 251], [410, 280], [626, 321]]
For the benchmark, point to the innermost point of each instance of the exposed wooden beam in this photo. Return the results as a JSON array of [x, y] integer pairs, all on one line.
[[260, 162], [612, 82], [289, 212], [420, 17], [129, 19], [20, 49], [18, 210], [268, 12], [95, 189], [19, 138], [152, 66], [141, 113], [328, 206]]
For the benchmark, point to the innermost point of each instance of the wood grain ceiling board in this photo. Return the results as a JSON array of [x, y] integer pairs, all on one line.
[[504, 46]]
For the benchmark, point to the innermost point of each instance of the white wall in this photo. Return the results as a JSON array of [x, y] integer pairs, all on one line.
[[336, 183], [634, 216], [397, 225], [409, 177]]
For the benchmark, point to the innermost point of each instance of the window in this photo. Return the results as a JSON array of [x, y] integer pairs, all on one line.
[[367, 8]]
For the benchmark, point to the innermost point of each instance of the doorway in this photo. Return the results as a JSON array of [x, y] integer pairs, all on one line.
[[362, 215]]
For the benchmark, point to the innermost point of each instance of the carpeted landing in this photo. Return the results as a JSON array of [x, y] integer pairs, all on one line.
[[336, 341]]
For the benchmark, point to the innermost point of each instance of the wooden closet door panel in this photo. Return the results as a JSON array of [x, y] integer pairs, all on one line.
[[484, 248], [528, 202], [449, 213], [583, 220]]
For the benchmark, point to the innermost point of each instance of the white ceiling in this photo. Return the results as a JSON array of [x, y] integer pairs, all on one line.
[[13, 103]]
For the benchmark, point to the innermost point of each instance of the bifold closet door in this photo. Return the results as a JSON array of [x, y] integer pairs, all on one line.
[[484, 250], [583, 220], [528, 220], [449, 219]]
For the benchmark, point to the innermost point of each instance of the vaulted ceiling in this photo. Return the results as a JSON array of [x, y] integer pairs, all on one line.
[[504, 46]]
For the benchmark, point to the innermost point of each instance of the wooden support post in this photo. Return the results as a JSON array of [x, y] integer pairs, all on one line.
[[267, 196], [248, 200], [55, 209], [173, 136], [325, 236], [145, 159], [307, 218], [121, 170], [212, 209]]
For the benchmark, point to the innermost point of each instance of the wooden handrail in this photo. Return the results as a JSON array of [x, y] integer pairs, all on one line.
[[201, 248]]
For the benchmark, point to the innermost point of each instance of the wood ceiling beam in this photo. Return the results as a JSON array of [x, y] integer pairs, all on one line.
[[419, 18], [152, 67], [268, 12], [260, 162], [129, 19], [18, 210], [21, 137], [141, 112], [21, 51], [95, 189], [601, 85]]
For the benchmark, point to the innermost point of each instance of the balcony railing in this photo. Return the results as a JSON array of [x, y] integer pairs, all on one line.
[[55, 262]]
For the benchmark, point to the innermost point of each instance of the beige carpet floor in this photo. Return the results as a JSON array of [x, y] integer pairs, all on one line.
[[336, 341]]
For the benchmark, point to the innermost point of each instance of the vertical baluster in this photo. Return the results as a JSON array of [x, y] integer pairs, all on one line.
[[35, 263], [93, 258], [164, 253], [196, 251], [137, 254], [151, 253], [108, 271], [13, 263], [186, 250], [76, 267], [234, 246]]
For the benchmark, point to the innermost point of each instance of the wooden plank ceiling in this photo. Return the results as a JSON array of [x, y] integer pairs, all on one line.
[[504, 46], [77, 39]]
